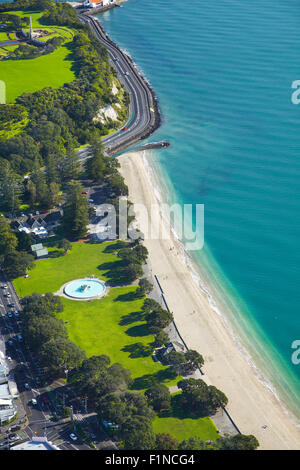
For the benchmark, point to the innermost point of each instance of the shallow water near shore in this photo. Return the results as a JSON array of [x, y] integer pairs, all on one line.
[[223, 73]]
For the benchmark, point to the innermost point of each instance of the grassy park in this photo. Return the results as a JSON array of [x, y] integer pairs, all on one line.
[[51, 70], [112, 325]]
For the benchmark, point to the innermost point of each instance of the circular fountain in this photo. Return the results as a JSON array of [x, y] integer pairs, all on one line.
[[84, 289]]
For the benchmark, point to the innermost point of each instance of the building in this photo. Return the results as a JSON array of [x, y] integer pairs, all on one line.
[[36, 443], [39, 251], [97, 3]]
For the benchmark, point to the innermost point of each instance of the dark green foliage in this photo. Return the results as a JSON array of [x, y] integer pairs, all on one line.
[[60, 353], [39, 330], [200, 398], [194, 443], [16, 263], [164, 441], [39, 305], [237, 442], [118, 408], [8, 240], [24, 241], [65, 245], [158, 397], [137, 433], [75, 218], [94, 378], [145, 287]]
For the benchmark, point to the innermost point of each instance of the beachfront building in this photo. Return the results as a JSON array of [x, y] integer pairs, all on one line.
[[8, 408], [97, 3], [36, 443]]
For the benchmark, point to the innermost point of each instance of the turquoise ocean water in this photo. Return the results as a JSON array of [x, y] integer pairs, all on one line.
[[223, 71]]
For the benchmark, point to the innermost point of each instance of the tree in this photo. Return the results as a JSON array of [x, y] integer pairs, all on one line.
[[159, 319], [8, 240], [158, 397], [132, 272], [118, 185], [39, 305], [176, 359], [237, 442], [95, 378], [137, 434], [164, 441], [65, 245], [39, 330], [16, 263], [69, 165], [59, 354], [119, 408], [194, 359], [145, 287], [11, 187], [161, 339], [24, 241], [194, 443], [198, 397], [75, 218]]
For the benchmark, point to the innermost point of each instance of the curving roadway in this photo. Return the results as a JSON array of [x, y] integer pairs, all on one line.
[[144, 116]]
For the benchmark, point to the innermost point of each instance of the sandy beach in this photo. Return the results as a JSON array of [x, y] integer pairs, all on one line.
[[251, 404]]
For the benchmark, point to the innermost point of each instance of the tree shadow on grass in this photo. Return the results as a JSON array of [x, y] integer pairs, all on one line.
[[55, 253], [129, 297], [137, 350], [139, 330], [113, 271], [146, 381], [131, 318], [115, 246]]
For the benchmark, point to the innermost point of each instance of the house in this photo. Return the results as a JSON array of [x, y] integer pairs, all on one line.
[[53, 219]]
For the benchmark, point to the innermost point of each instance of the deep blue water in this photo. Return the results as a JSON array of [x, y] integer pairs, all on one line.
[[223, 71]]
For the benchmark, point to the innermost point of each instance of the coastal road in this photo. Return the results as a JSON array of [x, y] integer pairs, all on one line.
[[141, 113]]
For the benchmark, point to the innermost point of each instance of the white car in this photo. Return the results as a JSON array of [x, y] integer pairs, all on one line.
[[33, 401], [73, 437]]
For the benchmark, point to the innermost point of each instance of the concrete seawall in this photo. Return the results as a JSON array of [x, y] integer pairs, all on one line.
[[155, 120]]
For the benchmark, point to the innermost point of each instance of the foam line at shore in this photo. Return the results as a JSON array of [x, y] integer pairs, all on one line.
[[197, 276], [252, 399]]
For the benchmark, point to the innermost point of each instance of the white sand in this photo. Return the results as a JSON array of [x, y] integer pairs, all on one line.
[[251, 404]]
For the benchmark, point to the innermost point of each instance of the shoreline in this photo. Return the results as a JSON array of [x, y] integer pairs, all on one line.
[[251, 404]]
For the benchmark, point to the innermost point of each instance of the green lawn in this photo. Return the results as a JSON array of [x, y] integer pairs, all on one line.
[[112, 325], [183, 426], [27, 76]]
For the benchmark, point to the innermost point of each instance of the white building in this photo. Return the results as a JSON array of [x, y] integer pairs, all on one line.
[[37, 443], [97, 3]]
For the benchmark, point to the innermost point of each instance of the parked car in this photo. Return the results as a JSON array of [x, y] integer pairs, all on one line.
[[34, 401], [11, 305], [9, 314], [20, 337], [84, 192], [4, 286], [10, 342], [13, 436], [73, 437], [27, 386]]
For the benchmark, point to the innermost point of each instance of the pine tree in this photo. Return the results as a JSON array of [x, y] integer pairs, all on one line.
[[75, 218]]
